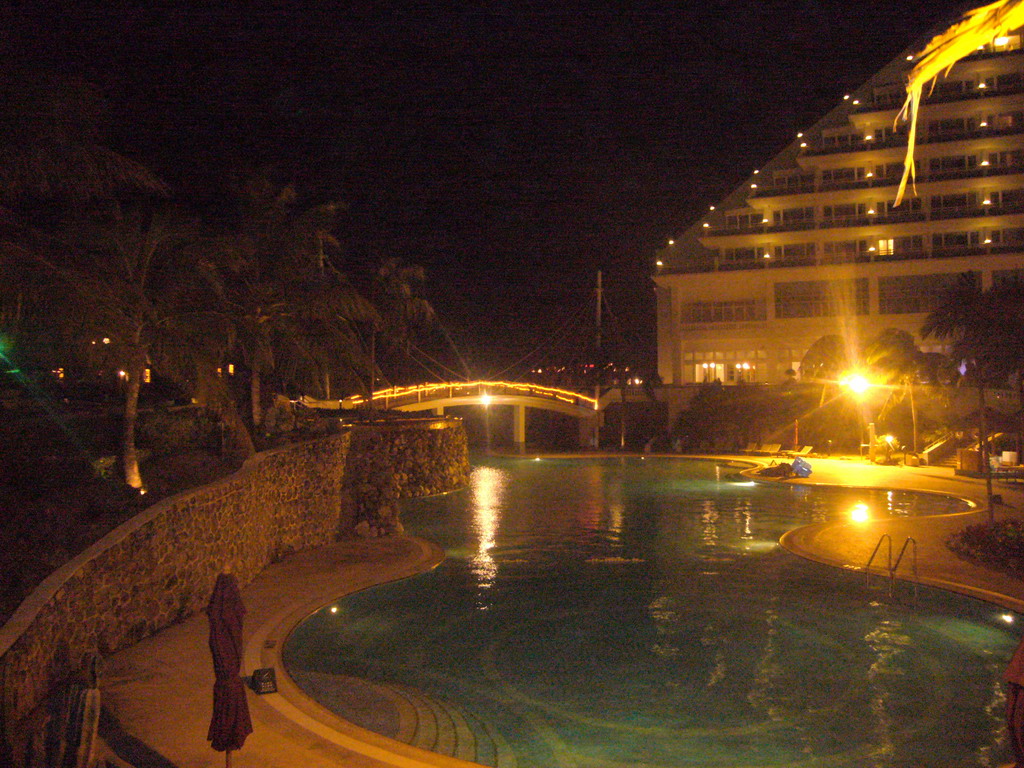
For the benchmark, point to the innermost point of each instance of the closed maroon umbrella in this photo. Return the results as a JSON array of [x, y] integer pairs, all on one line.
[[1014, 677], [230, 723]]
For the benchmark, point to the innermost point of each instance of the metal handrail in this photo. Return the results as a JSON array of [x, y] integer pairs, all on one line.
[[878, 546], [913, 564]]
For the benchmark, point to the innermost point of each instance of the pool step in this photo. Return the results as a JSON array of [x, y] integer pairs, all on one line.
[[406, 714]]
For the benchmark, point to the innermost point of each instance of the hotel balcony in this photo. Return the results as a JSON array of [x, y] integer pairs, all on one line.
[[714, 263]]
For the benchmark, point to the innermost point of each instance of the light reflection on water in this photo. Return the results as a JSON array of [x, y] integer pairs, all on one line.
[[612, 613]]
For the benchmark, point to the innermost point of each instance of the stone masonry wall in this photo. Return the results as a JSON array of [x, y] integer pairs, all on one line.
[[393, 461], [160, 567]]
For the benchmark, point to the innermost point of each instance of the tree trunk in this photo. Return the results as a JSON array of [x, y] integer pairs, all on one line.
[[254, 397], [1020, 418], [986, 467], [133, 385], [913, 418], [237, 440]]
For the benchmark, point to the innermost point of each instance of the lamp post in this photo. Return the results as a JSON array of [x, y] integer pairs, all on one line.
[[858, 385]]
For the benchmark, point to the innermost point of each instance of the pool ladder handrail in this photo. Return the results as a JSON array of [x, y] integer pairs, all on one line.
[[891, 566]]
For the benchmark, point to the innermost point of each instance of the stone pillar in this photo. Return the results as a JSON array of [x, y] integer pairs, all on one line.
[[519, 427], [439, 411]]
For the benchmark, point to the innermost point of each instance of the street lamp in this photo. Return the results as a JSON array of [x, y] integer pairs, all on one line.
[[858, 385]]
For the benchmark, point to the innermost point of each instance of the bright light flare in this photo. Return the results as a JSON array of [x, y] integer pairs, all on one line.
[[856, 383]]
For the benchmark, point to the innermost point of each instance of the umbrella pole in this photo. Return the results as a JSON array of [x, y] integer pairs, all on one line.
[[227, 758]]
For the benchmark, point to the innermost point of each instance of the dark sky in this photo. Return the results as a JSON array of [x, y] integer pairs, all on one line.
[[511, 148]]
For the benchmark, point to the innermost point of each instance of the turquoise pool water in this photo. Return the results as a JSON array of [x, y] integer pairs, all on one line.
[[623, 612]]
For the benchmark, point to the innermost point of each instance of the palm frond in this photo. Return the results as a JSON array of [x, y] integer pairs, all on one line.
[[977, 28]]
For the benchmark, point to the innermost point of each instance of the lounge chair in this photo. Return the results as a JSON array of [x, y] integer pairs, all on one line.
[[751, 448], [802, 453], [770, 449]]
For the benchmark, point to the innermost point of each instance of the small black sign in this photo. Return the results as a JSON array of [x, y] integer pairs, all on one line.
[[264, 680]]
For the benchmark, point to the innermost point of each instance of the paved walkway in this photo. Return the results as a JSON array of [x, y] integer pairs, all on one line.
[[157, 694]]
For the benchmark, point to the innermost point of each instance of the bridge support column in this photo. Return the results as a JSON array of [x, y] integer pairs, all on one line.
[[589, 431], [439, 411], [519, 427]]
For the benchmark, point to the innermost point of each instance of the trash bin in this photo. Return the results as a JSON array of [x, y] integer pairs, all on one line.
[[801, 468]]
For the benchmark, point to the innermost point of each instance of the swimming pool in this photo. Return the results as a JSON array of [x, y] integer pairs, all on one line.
[[613, 612]]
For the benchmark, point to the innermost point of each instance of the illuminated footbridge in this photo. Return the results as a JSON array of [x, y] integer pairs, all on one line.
[[437, 397]]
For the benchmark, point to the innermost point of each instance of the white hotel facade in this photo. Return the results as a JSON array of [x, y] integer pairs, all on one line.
[[810, 244]]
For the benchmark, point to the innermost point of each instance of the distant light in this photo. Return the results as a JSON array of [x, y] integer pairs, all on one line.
[[983, 123], [711, 207], [334, 609], [485, 399], [536, 458], [106, 340], [986, 201], [122, 374], [764, 219], [706, 225], [869, 174], [671, 242], [800, 135], [982, 84], [767, 256], [869, 137], [1007, 617], [910, 58], [856, 101], [753, 186], [871, 211], [660, 263], [1001, 41], [757, 171], [803, 144], [984, 162], [846, 97], [871, 248], [988, 240]]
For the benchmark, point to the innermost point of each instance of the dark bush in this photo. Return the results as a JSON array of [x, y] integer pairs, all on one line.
[[1000, 544]]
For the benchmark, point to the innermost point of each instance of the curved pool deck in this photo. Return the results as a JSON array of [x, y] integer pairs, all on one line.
[[157, 694]]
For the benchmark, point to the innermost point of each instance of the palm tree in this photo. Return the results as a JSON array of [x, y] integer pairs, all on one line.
[[290, 309], [974, 30], [129, 278], [825, 361], [969, 319], [896, 359]]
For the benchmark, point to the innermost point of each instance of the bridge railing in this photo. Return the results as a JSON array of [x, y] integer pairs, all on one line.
[[396, 397]]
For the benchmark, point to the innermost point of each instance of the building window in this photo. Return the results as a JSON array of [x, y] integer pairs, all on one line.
[[954, 202], [885, 247], [744, 310], [907, 294], [843, 251], [821, 298]]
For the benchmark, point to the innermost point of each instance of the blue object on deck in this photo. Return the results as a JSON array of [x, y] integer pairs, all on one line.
[[801, 468]]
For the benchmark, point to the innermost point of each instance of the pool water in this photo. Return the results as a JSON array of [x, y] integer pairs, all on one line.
[[629, 612]]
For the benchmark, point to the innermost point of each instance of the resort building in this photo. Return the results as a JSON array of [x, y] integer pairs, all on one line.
[[811, 243]]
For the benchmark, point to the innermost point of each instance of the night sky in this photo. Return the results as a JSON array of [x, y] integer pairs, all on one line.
[[511, 148]]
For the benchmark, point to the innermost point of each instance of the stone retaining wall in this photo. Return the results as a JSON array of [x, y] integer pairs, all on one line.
[[160, 566]]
